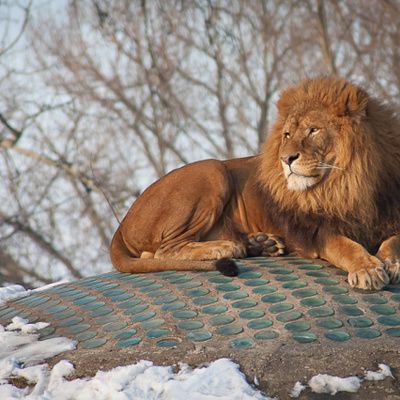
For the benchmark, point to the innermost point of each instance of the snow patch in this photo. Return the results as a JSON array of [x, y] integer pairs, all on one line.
[[12, 292], [24, 325], [297, 389], [383, 372], [323, 383]]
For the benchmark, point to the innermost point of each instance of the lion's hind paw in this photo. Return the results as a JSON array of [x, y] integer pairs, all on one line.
[[392, 268]]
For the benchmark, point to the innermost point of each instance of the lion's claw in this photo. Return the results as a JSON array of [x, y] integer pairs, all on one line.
[[263, 244], [392, 269], [369, 279]]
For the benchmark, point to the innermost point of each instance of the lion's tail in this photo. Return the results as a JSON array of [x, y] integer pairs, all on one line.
[[124, 261]]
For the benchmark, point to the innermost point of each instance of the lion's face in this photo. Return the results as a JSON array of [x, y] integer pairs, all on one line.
[[307, 151]]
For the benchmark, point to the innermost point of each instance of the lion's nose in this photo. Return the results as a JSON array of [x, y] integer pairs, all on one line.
[[289, 158]]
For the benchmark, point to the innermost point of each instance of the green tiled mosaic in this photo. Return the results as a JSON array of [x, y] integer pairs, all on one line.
[[271, 299]]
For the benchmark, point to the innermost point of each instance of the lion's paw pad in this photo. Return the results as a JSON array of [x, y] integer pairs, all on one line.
[[265, 244]]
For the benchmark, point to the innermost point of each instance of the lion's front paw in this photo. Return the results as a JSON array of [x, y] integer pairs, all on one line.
[[265, 244], [392, 268], [373, 278]]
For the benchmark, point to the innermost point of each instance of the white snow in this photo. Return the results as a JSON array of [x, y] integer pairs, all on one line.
[[323, 383], [384, 372], [297, 389], [24, 326]]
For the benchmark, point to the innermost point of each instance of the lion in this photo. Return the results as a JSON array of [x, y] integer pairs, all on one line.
[[325, 185]]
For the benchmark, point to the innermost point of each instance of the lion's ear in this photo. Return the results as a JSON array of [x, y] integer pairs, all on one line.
[[353, 102]]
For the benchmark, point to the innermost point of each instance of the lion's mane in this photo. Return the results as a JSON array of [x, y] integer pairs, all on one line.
[[360, 198]]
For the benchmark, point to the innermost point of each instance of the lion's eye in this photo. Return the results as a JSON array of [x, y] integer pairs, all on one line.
[[286, 135], [313, 131]]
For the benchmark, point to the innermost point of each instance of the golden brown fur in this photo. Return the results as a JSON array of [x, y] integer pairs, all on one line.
[[328, 181]]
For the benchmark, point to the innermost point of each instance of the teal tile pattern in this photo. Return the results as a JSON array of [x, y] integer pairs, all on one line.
[[272, 299]]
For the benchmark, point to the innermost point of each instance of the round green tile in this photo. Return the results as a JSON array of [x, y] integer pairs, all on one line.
[[266, 335], [217, 309], [221, 320], [318, 274], [101, 311], [251, 314], [154, 323], [393, 332], [79, 328], [129, 304], [197, 292], [93, 306], [312, 302], [265, 290], [256, 282], [173, 306], [389, 320], [70, 322], [190, 325], [335, 289], [56, 309], [93, 343], [114, 292], [360, 322], [259, 324], [220, 279], [287, 278], [281, 307], [298, 326], [310, 267], [227, 287], [157, 333], [204, 300], [85, 300], [302, 293], [124, 334], [152, 288], [321, 312], [244, 304], [294, 285], [305, 337], [352, 311], [235, 295], [121, 297], [289, 316], [184, 314], [49, 330], [337, 336], [329, 323], [250, 275], [116, 326], [396, 297], [48, 304], [106, 319], [107, 287], [199, 336], [165, 299], [85, 336], [136, 309], [63, 315], [129, 342], [242, 343], [327, 281], [143, 316], [143, 283], [383, 309], [367, 333], [374, 299], [159, 293], [273, 298], [344, 299], [167, 343], [189, 285], [281, 271], [230, 329]]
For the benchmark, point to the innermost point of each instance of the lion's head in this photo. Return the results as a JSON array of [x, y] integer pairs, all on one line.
[[333, 151]]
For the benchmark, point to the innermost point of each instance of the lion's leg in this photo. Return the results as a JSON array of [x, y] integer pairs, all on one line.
[[365, 271], [389, 253], [211, 250], [264, 244]]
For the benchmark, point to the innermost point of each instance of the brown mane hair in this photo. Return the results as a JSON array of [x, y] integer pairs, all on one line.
[[363, 194]]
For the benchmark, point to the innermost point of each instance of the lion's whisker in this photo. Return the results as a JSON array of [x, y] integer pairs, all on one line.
[[326, 166]]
